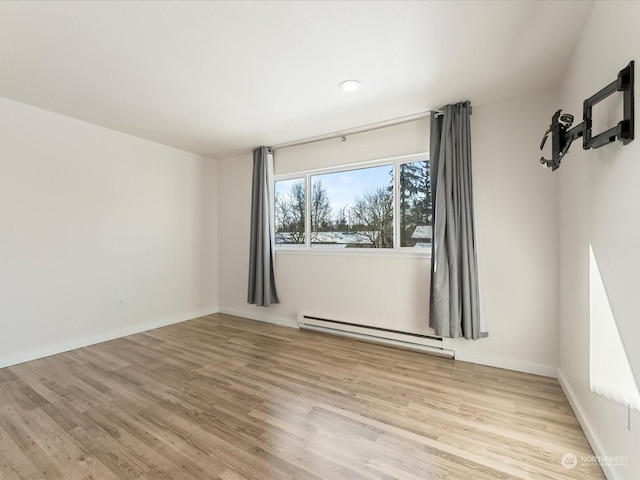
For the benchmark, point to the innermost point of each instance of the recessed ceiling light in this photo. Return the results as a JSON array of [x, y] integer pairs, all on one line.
[[350, 85]]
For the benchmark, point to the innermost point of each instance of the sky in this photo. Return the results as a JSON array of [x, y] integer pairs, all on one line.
[[345, 186]]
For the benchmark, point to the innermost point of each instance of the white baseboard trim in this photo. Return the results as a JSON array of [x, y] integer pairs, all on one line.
[[56, 348], [507, 364], [260, 317], [584, 423]]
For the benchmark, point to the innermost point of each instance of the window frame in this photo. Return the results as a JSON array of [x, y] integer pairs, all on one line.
[[395, 162]]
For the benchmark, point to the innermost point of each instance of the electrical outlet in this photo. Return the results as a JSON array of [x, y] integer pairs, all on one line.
[[120, 302]]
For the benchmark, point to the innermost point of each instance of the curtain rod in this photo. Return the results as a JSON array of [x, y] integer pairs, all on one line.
[[361, 129]]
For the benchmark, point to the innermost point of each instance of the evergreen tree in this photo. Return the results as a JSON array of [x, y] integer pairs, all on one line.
[[415, 199]]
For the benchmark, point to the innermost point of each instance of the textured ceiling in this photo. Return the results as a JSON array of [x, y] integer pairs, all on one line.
[[219, 78]]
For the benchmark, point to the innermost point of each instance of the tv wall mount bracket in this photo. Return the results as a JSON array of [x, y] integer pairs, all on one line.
[[563, 134]]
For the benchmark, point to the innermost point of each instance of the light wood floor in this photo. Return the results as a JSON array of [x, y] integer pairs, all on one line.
[[227, 398]]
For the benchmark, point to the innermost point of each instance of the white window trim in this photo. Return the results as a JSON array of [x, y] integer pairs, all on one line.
[[404, 252], [409, 252]]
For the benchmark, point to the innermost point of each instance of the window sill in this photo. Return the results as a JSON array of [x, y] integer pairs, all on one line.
[[356, 252]]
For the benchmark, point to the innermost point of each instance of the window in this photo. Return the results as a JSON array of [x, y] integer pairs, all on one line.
[[384, 205], [414, 192], [353, 208], [290, 206]]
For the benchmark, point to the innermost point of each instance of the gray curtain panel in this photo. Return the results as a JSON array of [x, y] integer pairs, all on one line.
[[455, 301], [262, 284]]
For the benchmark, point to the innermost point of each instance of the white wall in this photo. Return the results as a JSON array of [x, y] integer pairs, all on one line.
[[87, 215], [517, 221], [600, 206], [516, 214], [382, 290]]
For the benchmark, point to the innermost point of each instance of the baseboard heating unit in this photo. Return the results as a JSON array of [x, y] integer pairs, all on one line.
[[384, 336]]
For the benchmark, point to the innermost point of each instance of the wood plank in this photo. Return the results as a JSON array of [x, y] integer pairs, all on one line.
[[227, 398], [14, 464]]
